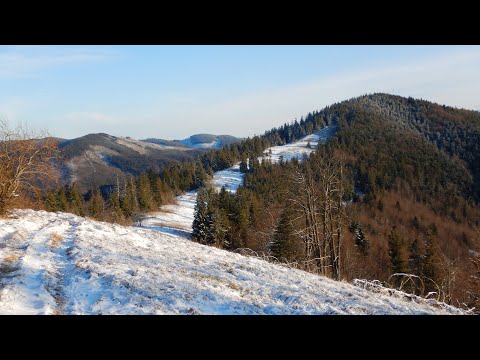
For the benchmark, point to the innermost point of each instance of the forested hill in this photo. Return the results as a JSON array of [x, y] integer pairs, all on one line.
[[456, 132], [393, 140], [413, 192]]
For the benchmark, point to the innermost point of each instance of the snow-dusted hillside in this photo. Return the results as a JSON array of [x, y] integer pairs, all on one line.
[[182, 212], [57, 263], [296, 149], [208, 141]]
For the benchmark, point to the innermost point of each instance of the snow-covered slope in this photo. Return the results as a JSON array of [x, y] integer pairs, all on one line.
[[231, 178], [57, 263], [296, 149], [208, 141]]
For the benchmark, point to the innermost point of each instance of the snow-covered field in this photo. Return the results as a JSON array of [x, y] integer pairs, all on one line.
[[57, 263]]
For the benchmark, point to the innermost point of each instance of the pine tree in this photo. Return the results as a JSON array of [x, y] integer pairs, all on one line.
[[62, 200], [76, 200], [129, 201], [243, 163], [283, 246], [97, 205], [415, 259], [200, 227], [200, 175], [361, 242], [51, 203], [145, 197], [394, 251], [116, 209]]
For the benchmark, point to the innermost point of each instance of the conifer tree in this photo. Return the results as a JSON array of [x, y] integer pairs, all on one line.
[[116, 209], [415, 259], [243, 163], [62, 200], [76, 200], [97, 205], [361, 241], [200, 175], [283, 246], [145, 197], [394, 251], [51, 203], [200, 226]]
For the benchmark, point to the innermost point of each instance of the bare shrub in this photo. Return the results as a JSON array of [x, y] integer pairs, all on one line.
[[26, 163]]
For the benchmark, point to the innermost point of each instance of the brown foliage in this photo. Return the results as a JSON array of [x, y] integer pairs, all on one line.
[[26, 163], [453, 242]]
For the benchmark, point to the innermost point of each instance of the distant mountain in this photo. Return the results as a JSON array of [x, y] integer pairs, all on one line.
[[199, 141], [97, 159]]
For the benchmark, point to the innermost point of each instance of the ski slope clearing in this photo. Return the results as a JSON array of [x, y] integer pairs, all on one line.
[[180, 215], [57, 263], [230, 178], [297, 149]]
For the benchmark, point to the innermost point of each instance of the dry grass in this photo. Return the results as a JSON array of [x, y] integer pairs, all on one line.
[[9, 264], [11, 258], [56, 240]]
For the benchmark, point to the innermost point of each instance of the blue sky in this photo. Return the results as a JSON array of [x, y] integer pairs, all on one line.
[[172, 92]]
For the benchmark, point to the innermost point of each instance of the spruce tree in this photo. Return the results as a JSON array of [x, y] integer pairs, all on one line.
[[200, 175], [283, 246], [394, 251], [62, 200], [361, 241], [116, 210], [51, 203], [97, 205], [145, 197], [76, 200], [415, 259], [200, 227], [243, 163]]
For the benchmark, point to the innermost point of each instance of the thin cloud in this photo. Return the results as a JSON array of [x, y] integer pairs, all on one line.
[[28, 61]]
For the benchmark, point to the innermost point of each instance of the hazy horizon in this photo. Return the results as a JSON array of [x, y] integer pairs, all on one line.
[[172, 92]]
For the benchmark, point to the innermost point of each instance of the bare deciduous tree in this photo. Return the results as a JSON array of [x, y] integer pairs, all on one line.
[[317, 194], [26, 162]]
